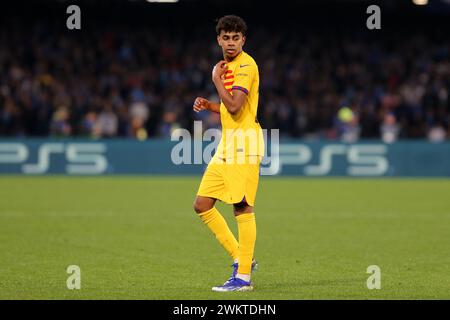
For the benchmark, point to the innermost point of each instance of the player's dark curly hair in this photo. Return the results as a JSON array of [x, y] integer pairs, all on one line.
[[231, 23]]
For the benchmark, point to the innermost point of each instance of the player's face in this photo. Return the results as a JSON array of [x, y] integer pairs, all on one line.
[[231, 43]]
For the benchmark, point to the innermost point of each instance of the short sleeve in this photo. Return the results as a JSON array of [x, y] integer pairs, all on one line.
[[244, 76]]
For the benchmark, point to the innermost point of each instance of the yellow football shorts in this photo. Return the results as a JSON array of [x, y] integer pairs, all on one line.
[[231, 181]]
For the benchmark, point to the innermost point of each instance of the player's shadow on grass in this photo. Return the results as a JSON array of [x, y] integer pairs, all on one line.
[[314, 283]]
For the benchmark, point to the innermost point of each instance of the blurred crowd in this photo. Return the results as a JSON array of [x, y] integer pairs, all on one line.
[[141, 82]]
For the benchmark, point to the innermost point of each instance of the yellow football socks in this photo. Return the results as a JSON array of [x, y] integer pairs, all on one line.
[[247, 238], [217, 224]]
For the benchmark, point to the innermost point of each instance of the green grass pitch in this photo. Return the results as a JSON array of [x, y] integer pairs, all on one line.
[[138, 238]]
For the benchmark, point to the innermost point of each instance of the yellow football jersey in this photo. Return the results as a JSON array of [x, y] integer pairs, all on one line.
[[241, 133]]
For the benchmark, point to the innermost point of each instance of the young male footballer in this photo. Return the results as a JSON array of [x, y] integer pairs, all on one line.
[[233, 173]]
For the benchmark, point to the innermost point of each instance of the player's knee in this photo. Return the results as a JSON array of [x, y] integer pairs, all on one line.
[[242, 207], [200, 206], [197, 207]]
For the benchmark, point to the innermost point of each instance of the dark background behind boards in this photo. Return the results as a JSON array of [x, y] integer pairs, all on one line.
[[298, 15]]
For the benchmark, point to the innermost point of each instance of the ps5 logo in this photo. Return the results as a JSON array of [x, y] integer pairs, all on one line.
[[362, 159], [81, 158]]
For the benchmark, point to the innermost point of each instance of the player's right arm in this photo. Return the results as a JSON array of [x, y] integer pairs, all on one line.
[[204, 104]]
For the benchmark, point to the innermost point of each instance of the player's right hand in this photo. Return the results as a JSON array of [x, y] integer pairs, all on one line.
[[200, 104]]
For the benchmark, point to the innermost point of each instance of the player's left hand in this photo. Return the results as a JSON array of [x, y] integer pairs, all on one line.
[[219, 70], [200, 104]]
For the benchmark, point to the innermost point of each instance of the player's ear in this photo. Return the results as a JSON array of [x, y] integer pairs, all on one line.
[[243, 40], [218, 39]]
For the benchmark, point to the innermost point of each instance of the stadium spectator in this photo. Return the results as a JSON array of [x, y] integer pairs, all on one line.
[[389, 129], [437, 133]]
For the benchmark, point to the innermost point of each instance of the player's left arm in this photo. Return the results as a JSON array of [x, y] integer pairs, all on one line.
[[233, 102]]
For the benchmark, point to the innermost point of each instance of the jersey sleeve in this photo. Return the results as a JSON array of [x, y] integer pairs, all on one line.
[[244, 77]]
